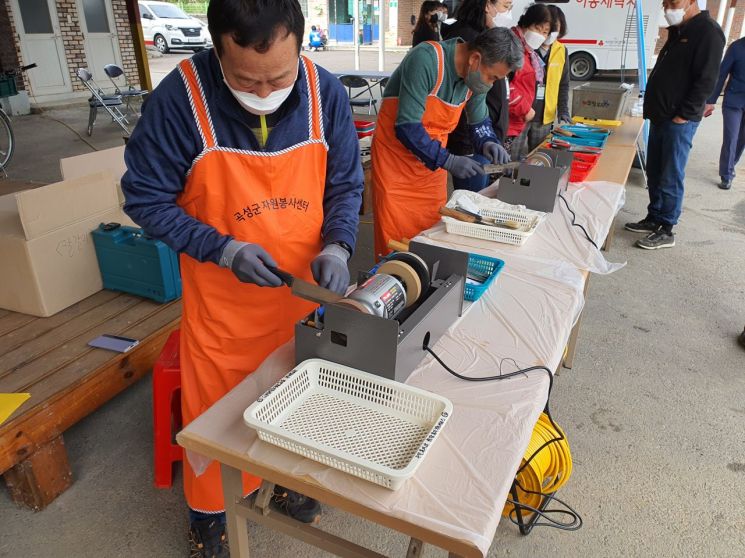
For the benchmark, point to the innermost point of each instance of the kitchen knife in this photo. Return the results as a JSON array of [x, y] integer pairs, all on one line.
[[494, 169], [306, 290], [468, 217]]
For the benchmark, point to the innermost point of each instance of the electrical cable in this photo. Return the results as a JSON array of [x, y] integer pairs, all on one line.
[[541, 473], [575, 224]]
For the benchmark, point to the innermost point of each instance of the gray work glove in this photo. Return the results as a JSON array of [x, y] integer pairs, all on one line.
[[461, 166], [565, 119], [498, 154], [330, 268], [249, 263]]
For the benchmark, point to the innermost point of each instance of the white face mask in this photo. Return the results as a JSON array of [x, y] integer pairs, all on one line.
[[552, 38], [258, 105], [441, 16], [534, 39], [503, 20], [675, 17]]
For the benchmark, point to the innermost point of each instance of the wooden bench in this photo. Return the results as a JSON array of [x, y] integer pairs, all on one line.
[[50, 359]]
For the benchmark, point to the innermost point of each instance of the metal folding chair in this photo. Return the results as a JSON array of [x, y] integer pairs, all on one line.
[[127, 92], [382, 83], [99, 99], [358, 99]]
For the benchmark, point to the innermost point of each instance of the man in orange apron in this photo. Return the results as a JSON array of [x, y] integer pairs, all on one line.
[[422, 104], [245, 158]]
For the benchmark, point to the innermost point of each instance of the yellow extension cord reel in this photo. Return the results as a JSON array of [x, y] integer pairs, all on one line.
[[547, 471]]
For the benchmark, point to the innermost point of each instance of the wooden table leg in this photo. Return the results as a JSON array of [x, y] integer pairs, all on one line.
[[41, 477], [415, 548], [609, 238], [232, 490], [572, 344]]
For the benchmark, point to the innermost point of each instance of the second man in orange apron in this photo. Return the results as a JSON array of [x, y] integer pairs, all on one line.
[[421, 106]]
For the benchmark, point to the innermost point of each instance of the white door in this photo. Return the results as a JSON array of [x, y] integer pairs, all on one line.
[[41, 43], [100, 38]]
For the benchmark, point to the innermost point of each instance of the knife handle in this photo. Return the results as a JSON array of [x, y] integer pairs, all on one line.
[[286, 277], [455, 214]]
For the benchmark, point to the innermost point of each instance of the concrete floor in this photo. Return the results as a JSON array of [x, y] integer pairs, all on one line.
[[654, 408]]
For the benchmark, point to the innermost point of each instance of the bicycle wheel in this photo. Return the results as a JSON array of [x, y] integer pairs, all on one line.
[[6, 140]]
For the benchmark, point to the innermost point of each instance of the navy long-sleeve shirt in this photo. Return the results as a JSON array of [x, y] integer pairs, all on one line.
[[166, 141], [733, 66]]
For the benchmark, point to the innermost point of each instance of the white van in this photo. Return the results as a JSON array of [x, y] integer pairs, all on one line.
[[602, 33], [166, 26]]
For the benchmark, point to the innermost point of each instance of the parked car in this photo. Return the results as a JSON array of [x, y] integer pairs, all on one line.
[[166, 26]]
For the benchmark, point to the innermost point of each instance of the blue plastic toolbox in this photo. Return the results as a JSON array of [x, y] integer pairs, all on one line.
[[481, 267], [134, 263]]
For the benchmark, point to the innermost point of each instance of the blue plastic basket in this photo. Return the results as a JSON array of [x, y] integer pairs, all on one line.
[[586, 142], [482, 265], [587, 132]]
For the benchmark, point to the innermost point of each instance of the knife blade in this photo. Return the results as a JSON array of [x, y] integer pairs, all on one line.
[[304, 289], [493, 169]]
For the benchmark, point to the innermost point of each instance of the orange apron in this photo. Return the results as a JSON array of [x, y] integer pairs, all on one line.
[[406, 194], [228, 328]]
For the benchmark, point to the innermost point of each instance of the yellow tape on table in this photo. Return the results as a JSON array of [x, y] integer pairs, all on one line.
[[9, 402]]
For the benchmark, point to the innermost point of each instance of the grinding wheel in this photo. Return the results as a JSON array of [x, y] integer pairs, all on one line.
[[417, 263], [406, 274]]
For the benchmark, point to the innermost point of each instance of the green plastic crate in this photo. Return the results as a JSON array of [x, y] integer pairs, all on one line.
[[8, 86]]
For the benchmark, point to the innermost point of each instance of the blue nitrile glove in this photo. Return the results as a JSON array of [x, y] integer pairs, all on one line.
[[249, 263], [498, 154], [330, 268], [462, 166]]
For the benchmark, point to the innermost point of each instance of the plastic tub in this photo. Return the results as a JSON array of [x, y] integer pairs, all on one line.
[[603, 101]]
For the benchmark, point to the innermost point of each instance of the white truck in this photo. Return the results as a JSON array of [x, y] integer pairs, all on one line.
[[602, 33]]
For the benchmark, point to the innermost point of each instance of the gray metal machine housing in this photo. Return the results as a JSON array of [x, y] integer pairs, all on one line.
[[537, 187], [385, 347]]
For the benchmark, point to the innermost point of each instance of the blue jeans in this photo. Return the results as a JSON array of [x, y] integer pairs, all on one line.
[[667, 156], [733, 141]]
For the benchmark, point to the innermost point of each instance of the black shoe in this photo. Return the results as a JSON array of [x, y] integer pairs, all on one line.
[[741, 339], [725, 184], [661, 238], [207, 539], [646, 225], [295, 505]]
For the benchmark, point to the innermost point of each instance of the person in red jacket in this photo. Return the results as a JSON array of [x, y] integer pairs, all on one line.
[[533, 28]]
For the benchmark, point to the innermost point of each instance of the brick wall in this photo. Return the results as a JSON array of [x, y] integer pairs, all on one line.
[[407, 8], [10, 52], [72, 40], [126, 43]]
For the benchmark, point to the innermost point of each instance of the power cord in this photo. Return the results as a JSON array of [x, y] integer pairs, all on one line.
[[558, 437], [575, 224]]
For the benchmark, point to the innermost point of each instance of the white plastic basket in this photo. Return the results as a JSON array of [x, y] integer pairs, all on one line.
[[527, 219], [364, 425]]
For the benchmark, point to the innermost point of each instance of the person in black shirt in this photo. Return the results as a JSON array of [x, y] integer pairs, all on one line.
[[684, 76], [428, 25]]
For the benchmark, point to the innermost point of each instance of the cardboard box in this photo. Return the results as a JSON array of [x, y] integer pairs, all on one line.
[[46, 246], [111, 160]]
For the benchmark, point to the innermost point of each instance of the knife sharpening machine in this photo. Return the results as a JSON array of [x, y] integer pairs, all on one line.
[[537, 182], [381, 326]]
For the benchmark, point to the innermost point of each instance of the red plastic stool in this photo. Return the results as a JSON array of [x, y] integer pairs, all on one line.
[[167, 410]]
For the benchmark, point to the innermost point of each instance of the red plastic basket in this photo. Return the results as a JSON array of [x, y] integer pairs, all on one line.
[[365, 128]]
